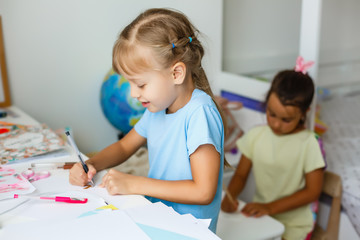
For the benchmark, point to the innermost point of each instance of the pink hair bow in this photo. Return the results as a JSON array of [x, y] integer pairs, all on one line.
[[302, 66]]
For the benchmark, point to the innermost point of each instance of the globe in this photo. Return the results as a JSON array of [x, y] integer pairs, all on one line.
[[120, 109]]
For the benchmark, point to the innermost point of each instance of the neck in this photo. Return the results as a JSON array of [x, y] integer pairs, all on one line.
[[184, 93]]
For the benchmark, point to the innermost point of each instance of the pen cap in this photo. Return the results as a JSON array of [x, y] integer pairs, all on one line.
[[71, 142]]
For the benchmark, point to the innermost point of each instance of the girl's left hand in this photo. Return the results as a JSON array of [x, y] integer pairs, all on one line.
[[256, 209], [117, 182]]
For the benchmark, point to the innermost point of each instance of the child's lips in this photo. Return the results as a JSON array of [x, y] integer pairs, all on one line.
[[145, 104]]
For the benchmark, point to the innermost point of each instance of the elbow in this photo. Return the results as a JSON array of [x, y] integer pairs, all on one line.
[[207, 201], [314, 195], [205, 197]]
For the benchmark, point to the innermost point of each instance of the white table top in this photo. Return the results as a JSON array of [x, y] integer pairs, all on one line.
[[230, 226], [16, 115], [234, 226], [38, 216]]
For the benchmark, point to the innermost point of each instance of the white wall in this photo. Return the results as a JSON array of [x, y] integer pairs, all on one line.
[[59, 51], [260, 35], [264, 35]]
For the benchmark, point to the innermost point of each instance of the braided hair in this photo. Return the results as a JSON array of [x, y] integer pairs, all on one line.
[[172, 38]]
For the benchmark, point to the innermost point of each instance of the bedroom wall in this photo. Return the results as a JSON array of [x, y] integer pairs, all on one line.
[[262, 36]]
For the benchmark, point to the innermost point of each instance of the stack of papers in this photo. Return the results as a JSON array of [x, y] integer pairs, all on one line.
[[161, 222], [154, 221]]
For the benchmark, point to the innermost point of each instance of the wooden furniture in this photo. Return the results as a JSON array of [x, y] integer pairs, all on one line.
[[332, 187], [4, 85]]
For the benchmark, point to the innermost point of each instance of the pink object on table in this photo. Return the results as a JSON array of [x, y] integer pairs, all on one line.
[[32, 176], [56, 198]]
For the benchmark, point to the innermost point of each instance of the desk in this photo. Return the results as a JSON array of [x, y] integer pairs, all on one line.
[[16, 115], [27, 214], [136, 217]]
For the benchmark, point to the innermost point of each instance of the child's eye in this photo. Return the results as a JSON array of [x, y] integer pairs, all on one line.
[[141, 86], [286, 120]]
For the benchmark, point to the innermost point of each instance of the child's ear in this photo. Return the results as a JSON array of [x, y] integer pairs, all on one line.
[[179, 72]]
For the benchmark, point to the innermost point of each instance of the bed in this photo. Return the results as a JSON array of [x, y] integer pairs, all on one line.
[[342, 145]]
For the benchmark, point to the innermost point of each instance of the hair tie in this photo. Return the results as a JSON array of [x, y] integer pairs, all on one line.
[[173, 45], [190, 38], [302, 66]]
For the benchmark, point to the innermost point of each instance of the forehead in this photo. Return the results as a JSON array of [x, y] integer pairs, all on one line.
[[145, 76], [280, 110], [136, 59]]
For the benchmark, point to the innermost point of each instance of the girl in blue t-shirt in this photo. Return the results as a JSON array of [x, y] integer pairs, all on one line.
[[285, 157], [159, 53]]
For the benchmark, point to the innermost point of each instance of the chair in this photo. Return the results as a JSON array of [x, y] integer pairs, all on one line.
[[332, 187]]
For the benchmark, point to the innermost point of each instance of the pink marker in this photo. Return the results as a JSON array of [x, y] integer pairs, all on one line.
[[56, 198]]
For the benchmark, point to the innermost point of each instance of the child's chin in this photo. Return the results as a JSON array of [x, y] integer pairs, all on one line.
[[153, 110], [277, 133]]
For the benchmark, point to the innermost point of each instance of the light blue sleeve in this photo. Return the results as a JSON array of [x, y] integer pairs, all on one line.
[[142, 125], [205, 127]]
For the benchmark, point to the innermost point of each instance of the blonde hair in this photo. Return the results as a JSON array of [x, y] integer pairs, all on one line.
[[172, 38]]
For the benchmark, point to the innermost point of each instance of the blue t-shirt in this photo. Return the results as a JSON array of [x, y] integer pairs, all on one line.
[[172, 138]]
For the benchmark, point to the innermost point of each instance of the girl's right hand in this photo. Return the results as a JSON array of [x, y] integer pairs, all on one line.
[[77, 175], [254, 209], [229, 206]]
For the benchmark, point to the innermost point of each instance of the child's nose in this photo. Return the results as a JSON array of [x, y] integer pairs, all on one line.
[[276, 124]]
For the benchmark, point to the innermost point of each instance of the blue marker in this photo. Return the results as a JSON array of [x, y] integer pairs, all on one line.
[[72, 143]]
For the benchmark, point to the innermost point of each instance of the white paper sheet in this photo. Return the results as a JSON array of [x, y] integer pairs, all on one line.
[[161, 216], [47, 210], [107, 225]]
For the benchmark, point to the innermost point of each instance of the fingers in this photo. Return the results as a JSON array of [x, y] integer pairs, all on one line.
[[77, 175], [229, 206], [254, 210], [108, 182], [117, 182], [91, 172], [103, 181]]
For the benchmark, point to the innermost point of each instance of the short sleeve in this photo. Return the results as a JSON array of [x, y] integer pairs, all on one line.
[[141, 125], [246, 143], [313, 158], [204, 127]]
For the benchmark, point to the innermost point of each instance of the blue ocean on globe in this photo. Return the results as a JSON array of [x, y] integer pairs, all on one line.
[[122, 111]]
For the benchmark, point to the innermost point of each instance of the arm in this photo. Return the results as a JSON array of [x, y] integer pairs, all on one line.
[[117, 152], [205, 167], [237, 183], [111, 156], [310, 193]]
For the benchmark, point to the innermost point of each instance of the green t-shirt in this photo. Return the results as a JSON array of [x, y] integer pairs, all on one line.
[[279, 165]]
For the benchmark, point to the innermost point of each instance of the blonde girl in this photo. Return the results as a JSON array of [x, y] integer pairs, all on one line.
[[159, 53]]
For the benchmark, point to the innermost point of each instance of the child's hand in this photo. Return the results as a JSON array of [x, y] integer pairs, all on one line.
[[117, 182], [77, 175], [256, 210], [229, 206]]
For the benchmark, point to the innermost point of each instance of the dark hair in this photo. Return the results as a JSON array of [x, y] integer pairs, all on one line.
[[293, 88]]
